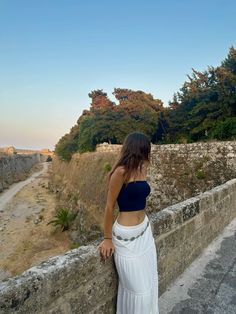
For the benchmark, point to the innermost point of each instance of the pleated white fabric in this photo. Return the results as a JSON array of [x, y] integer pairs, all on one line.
[[136, 264]]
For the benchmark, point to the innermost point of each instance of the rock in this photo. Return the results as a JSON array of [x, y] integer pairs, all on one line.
[[37, 220]]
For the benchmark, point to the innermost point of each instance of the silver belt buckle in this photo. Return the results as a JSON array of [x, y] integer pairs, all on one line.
[[133, 238]]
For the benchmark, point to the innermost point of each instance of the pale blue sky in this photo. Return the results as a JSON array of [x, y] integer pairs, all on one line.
[[54, 52]]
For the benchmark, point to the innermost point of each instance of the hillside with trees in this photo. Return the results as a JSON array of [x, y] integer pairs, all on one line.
[[203, 109]]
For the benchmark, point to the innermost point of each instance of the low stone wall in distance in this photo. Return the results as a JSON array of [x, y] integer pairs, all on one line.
[[78, 282], [14, 168]]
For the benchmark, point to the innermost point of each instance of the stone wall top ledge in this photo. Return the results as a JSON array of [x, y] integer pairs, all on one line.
[[78, 255], [167, 219], [231, 182], [176, 209]]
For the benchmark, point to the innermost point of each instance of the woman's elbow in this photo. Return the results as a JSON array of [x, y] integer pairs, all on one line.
[[109, 208]]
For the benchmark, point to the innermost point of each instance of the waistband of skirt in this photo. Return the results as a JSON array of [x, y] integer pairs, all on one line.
[[134, 227]]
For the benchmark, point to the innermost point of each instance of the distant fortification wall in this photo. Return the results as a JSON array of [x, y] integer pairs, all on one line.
[[77, 282], [14, 168]]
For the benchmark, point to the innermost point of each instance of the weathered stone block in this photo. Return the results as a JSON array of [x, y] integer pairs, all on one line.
[[162, 223], [177, 213], [199, 221], [206, 201], [190, 208]]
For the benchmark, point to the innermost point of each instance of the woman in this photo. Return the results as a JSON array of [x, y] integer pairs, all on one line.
[[130, 238]]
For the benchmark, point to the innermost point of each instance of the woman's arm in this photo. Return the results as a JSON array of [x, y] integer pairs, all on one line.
[[115, 185], [106, 247]]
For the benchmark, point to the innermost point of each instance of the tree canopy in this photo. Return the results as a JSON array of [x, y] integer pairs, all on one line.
[[205, 103], [203, 108]]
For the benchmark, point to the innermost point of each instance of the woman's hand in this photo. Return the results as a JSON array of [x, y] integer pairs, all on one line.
[[106, 248]]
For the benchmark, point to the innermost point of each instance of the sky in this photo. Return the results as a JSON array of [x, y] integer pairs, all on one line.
[[54, 52]]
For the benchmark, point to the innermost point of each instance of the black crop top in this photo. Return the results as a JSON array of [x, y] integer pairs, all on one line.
[[133, 196]]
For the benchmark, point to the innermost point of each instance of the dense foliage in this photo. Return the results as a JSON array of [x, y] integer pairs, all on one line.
[[108, 122], [204, 108]]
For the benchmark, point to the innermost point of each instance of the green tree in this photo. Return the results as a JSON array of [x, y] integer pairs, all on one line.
[[204, 101]]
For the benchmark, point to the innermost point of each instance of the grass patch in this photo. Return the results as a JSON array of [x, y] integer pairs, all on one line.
[[74, 245], [200, 174]]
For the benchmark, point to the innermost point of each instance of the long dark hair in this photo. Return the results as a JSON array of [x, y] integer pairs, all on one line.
[[135, 151]]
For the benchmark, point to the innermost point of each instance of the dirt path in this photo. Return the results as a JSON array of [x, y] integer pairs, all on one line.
[[25, 237], [7, 194]]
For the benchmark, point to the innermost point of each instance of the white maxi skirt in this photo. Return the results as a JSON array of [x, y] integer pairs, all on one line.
[[136, 264]]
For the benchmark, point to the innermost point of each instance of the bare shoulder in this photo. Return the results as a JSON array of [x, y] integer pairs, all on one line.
[[120, 170], [118, 173], [115, 185]]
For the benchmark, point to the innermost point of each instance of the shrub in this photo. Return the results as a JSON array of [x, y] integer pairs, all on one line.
[[200, 174], [63, 218], [65, 148], [107, 167]]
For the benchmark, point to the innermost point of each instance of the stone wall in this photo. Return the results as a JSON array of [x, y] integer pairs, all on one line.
[[77, 282], [176, 173], [14, 168], [105, 147], [181, 171], [9, 150]]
